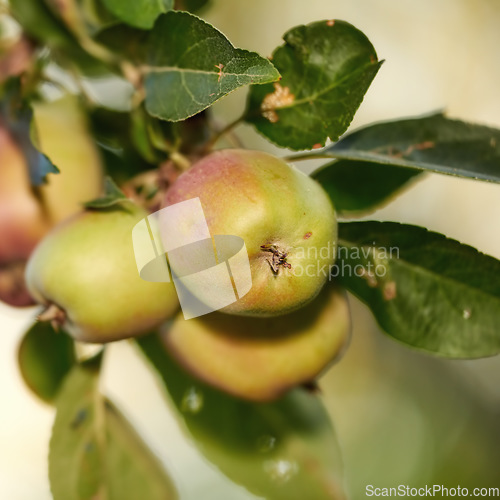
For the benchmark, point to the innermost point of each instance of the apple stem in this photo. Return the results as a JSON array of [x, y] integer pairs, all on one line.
[[55, 315], [312, 387]]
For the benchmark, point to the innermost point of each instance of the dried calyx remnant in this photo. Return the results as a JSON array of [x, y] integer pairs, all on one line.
[[277, 259], [55, 315]]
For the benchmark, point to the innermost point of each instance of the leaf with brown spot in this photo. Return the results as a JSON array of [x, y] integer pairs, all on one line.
[[326, 68], [425, 290]]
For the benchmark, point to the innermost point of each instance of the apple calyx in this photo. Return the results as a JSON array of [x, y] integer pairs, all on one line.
[[53, 314], [278, 258]]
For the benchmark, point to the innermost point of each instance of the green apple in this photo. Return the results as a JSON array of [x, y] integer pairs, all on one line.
[[84, 271], [261, 358], [63, 135], [286, 219]]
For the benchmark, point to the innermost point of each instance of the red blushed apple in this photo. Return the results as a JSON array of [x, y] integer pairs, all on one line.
[[286, 219]]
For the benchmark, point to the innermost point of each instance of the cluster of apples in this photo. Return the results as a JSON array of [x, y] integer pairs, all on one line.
[[26, 213], [282, 333]]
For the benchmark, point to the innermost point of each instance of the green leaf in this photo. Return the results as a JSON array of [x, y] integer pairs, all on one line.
[[356, 187], [139, 13], [37, 20], [124, 41], [94, 453], [113, 195], [326, 69], [133, 471], [140, 135], [285, 449], [18, 117], [192, 65], [70, 13], [96, 16], [45, 357], [434, 143], [425, 290]]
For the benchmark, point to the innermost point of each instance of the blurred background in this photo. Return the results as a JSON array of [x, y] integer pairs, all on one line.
[[401, 417]]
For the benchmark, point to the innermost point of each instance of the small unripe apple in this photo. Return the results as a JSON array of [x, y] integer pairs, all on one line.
[[64, 136], [286, 219], [22, 219], [27, 213], [23, 222], [84, 272], [261, 358]]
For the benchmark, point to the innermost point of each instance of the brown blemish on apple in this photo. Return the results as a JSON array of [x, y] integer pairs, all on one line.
[[389, 291], [280, 98], [330, 22], [307, 235]]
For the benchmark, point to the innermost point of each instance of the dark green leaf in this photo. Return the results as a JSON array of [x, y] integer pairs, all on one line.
[[113, 195], [18, 117], [426, 290], [285, 450], [356, 187], [326, 69], [139, 13], [434, 143], [125, 41], [112, 132], [45, 357], [192, 65], [94, 453]]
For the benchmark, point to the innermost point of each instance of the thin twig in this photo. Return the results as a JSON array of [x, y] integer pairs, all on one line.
[[307, 156], [225, 130]]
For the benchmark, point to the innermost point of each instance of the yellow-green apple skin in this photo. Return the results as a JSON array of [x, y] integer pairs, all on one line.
[[63, 135], [259, 359], [86, 267], [266, 202]]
